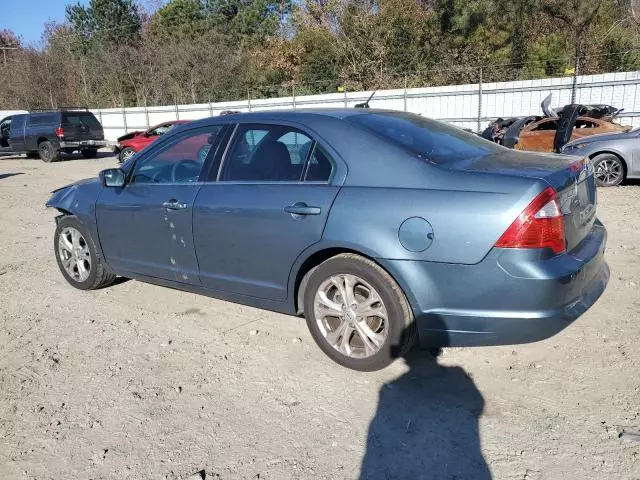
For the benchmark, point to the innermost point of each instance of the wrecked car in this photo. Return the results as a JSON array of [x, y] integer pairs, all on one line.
[[549, 133], [132, 142]]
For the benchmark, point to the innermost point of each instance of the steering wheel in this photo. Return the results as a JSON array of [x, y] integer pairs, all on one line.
[[187, 164]]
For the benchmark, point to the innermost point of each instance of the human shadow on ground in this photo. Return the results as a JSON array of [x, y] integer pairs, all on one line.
[[426, 425], [7, 175]]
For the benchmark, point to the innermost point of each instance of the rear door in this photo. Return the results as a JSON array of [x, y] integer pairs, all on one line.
[[40, 125], [270, 203], [81, 126], [16, 133]]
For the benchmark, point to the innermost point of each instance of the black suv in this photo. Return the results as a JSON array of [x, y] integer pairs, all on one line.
[[48, 133]]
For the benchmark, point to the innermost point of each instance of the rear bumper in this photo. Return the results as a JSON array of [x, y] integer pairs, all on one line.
[[511, 297], [83, 144]]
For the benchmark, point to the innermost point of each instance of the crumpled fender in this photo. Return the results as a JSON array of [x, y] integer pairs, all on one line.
[[79, 199]]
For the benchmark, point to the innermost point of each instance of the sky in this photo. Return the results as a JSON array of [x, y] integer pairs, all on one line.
[[26, 18]]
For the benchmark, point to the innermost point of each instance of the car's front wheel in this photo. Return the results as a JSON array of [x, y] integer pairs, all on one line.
[[609, 170], [357, 313], [77, 256], [125, 154]]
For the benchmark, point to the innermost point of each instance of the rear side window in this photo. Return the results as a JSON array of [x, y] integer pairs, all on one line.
[[320, 167], [267, 153], [432, 140], [80, 118], [36, 119]]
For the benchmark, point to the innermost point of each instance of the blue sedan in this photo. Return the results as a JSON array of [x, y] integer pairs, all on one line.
[[380, 227]]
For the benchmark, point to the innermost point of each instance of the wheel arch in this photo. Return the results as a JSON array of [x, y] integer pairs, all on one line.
[[310, 259], [79, 200], [615, 153]]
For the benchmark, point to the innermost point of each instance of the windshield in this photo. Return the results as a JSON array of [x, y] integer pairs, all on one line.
[[435, 141]]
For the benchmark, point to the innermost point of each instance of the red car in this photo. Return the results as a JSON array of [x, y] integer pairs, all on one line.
[[133, 142]]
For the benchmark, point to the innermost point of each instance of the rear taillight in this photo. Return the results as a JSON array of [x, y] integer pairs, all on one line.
[[59, 132], [579, 165], [540, 225]]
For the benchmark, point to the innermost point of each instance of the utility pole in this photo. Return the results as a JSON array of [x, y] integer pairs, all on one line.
[[4, 53]]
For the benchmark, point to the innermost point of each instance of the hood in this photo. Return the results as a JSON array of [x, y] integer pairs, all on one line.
[[130, 135], [78, 183]]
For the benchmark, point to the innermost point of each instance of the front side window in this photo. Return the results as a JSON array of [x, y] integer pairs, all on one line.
[[267, 153], [180, 161], [160, 130], [18, 122]]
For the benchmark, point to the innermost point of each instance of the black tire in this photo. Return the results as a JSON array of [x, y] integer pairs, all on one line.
[[610, 171], [402, 331], [125, 154], [32, 155], [99, 274], [48, 152], [89, 152]]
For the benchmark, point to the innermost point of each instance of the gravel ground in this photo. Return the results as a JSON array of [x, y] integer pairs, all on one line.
[[139, 381]]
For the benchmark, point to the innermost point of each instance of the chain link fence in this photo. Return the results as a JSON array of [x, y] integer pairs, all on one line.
[[468, 105]]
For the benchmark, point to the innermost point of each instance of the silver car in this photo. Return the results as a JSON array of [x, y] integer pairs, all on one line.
[[615, 156]]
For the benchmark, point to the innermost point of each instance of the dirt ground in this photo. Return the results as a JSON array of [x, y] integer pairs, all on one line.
[[137, 381]]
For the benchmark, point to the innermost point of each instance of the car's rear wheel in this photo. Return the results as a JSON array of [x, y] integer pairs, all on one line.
[[357, 313], [77, 256], [609, 170], [48, 152], [89, 152], [125, 154]]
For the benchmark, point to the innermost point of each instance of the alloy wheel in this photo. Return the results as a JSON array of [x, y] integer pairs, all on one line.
[[351, 315], [609, 172], [74, 254], [127, 154]]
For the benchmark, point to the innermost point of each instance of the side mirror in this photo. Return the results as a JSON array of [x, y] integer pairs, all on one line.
[[112, 177]]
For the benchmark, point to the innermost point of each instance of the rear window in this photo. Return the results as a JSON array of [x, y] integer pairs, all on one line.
[[80, 118], [432, 140], [42, 118]]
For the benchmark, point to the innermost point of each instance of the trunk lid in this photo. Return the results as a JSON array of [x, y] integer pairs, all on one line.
[[79, 126], [571, 178]]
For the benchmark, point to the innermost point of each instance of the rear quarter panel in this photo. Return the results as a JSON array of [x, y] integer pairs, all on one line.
[[467, 212]]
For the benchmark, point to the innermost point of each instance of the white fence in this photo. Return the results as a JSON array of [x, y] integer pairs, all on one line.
[[467, 106]]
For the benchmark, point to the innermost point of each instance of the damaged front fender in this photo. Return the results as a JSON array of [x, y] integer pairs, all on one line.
[[79, 199]]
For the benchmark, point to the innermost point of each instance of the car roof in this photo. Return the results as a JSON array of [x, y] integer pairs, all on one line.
[[300, 113]]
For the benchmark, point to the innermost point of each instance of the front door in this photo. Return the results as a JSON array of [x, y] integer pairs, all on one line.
[[269, 204], [146, 226], [16, 133]]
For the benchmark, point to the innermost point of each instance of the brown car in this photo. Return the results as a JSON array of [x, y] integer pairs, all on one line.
[[538, 136]]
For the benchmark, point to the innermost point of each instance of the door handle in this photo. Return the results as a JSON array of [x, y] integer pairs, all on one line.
[[301, 208], [174, 204]]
